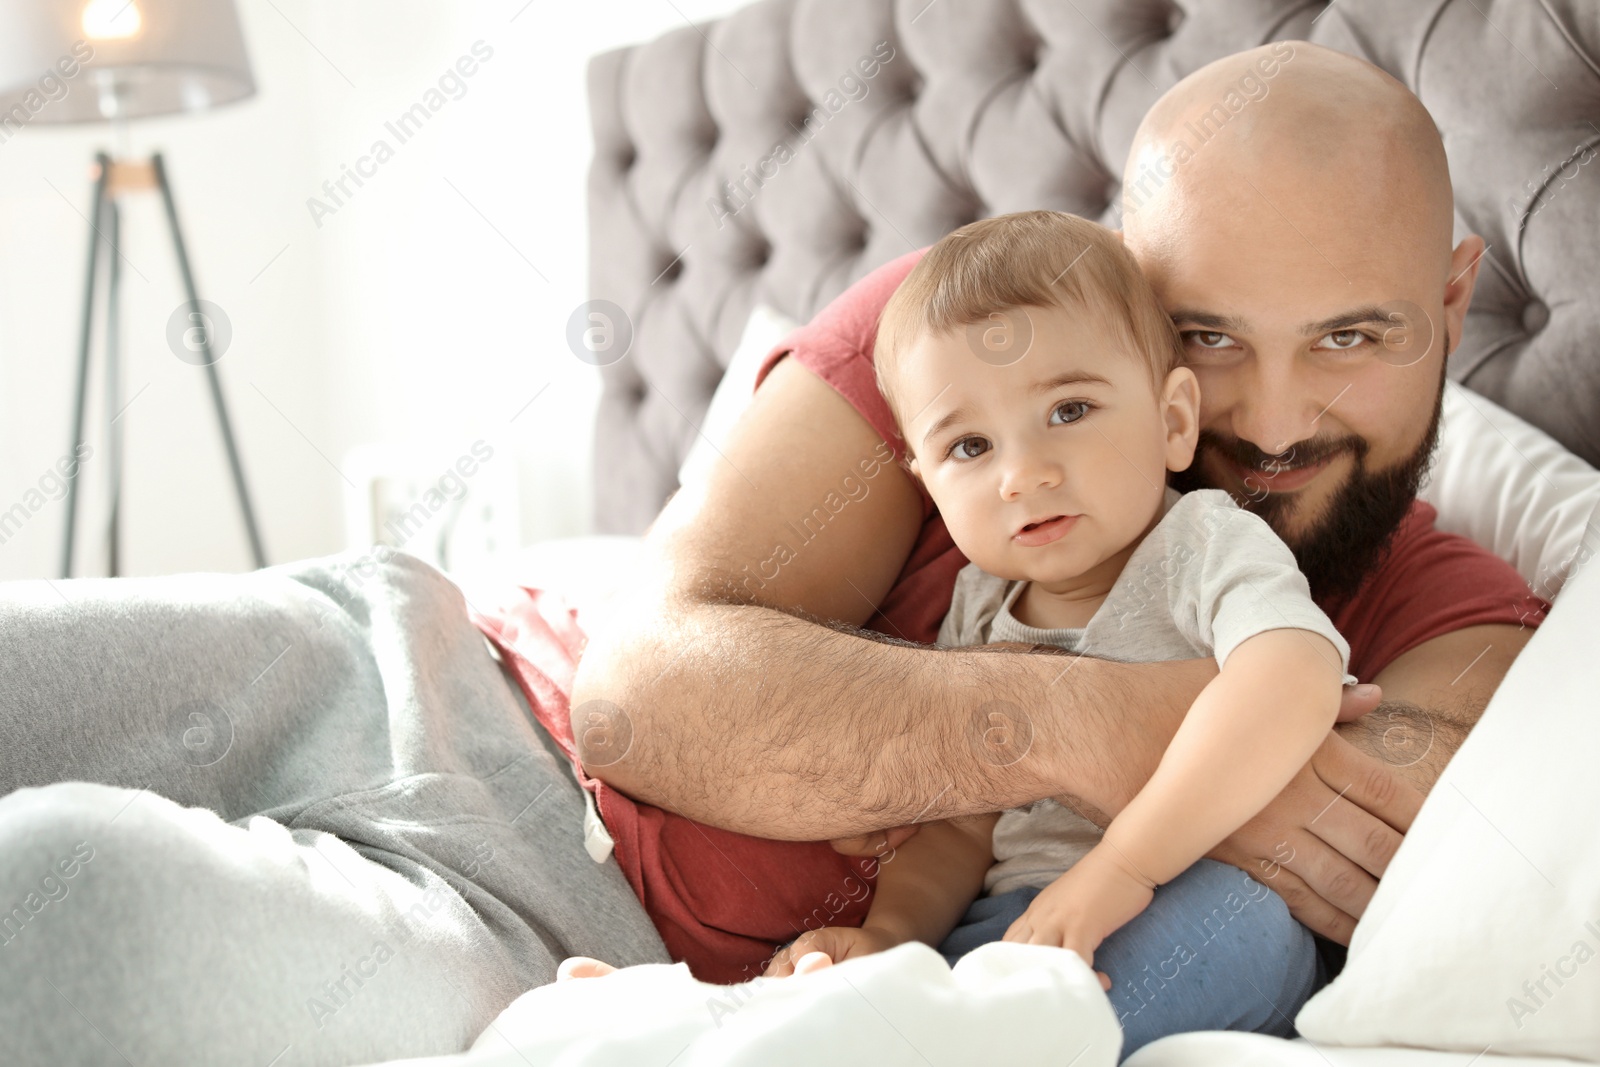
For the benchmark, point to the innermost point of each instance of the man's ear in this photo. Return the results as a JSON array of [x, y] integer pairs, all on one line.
[[1464, 263], [1180, 410]]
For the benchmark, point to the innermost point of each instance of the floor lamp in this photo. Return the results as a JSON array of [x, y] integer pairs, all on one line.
[[74, 61]]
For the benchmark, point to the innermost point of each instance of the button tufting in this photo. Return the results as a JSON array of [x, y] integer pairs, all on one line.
[[1175, 17], [1535, 315], [1030, 58], [627, 157]]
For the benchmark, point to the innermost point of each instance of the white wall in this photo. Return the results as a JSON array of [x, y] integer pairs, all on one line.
[[415, 313]]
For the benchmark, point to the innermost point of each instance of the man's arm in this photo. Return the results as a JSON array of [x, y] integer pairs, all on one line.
[[740, 712], [1433, 695]]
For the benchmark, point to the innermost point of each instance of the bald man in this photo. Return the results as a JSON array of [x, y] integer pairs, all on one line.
[[1292, 207]]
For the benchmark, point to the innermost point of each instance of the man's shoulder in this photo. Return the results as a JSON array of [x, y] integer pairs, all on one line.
[[851, 318], [1420, 554], [837, 343], [1418, 543], [1429, 583], [837, 346]]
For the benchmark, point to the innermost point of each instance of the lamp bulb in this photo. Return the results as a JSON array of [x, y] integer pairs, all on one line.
[[105, 20]]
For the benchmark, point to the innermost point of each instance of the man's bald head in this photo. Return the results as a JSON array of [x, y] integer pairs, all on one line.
[[1291, 206], [1282, 130]]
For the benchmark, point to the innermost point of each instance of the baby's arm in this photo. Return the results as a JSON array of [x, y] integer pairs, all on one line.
[[1246, 735], [924, 887]]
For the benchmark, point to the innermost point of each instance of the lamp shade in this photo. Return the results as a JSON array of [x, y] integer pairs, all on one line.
[[95, 60]]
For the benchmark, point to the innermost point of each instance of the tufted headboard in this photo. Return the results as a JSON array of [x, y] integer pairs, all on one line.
[[755, 160]]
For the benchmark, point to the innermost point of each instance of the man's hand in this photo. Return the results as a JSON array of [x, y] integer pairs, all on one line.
[[1325, 840], [838, 943]]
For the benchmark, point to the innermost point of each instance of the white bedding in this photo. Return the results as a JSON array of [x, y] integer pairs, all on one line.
[[1017, 1005], [1253, 1050], [588, 571]]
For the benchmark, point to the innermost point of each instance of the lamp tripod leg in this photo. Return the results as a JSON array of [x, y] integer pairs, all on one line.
[[210, 364], [113, 390], [103, 163]]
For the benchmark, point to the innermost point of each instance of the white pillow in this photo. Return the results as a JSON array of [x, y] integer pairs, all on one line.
[[1215, 1048], [1514, 490], [1018, 1005], [589, 572], [763, 329], [1485, 931]]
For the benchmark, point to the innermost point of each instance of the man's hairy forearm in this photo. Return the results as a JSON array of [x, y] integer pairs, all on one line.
[[768, 723], [1415, 742]]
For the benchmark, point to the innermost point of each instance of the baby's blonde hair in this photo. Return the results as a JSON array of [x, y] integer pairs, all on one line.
[[1047, 259]]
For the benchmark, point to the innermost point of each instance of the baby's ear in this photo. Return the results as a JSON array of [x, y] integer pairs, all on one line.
[[1180, 403]]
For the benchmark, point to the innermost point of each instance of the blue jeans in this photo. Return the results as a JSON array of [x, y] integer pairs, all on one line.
[[1215, 950]]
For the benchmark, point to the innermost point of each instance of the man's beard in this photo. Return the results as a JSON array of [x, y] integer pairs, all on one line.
[[1353, 537]]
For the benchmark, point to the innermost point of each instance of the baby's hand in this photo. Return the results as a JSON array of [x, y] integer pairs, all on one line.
[[835, 943], [1083, 907], [583, 967]]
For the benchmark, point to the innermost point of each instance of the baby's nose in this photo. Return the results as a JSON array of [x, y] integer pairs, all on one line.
[[1029, 473]]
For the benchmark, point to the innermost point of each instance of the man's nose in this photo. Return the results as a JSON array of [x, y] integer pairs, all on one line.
[[1276, 409]]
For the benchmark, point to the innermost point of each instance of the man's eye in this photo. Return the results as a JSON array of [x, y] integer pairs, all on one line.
[[1071, 410], [1341, 340], [969, 448], [1208, 338]]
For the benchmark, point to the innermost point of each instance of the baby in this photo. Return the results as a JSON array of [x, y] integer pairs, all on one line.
[[1038, 386]]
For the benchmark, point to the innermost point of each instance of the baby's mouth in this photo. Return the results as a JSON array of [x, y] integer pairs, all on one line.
[[1044, 531]]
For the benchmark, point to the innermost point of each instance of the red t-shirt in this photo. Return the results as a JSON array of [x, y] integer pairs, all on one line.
[[724, 901]]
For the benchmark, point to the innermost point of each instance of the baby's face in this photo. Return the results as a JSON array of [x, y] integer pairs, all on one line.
[[1046, 465]]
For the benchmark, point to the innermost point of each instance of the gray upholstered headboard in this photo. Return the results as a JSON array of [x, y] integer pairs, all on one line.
[[709, 192]]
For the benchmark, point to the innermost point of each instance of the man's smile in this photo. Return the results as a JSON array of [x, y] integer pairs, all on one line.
[[1275, 478]]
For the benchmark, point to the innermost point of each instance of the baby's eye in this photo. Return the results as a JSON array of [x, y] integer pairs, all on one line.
[[1208, 338], [969, 448], [1071, 410], [1343, 340]]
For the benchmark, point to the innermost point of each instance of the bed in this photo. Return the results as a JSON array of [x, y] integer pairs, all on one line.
[[707, 244], [1482, 940]]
